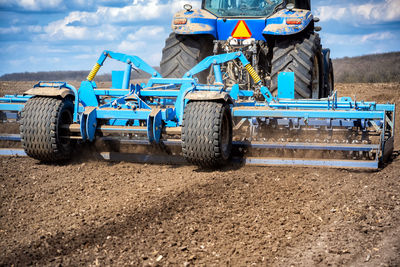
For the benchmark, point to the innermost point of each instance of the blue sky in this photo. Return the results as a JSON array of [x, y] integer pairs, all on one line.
[[43, 35]]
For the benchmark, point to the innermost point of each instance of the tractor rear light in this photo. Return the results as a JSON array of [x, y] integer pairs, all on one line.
[[250, 41], [293, 21], [180, 21], [233, 41]]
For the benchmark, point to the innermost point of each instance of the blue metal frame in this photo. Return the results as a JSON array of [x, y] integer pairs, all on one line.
[[158, 106]]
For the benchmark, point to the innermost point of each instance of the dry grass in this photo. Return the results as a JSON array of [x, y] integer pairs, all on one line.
[[378, 68]]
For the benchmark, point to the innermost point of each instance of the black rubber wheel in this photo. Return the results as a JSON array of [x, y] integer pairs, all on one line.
[[41, 134], [207, 133], [330, 83], [182, 52], [302, 56]]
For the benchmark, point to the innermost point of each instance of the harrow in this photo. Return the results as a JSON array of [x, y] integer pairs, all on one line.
[[210, 124]]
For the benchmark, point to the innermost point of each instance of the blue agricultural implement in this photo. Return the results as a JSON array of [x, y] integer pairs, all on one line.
[[243, 80], [213, 123]]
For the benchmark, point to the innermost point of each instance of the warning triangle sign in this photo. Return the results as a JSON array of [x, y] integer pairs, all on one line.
[[241, 30]]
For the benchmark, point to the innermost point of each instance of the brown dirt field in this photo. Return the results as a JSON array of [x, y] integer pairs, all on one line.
[[90, 212]]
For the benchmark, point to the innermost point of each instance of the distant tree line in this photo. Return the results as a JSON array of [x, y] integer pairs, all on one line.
[[79, 75], [52, 76], [364, 69], [376, 68]]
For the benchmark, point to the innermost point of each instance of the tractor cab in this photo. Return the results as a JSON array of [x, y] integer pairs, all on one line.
[[242, 8], [250, 8]]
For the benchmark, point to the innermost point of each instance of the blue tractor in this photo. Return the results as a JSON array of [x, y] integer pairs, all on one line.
[[275, 35]]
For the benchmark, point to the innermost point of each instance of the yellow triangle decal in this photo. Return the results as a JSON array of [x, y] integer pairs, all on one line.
[[241, 31]]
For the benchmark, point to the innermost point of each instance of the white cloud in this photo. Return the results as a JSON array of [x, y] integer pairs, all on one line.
[[61, 30], [127, 46], [10, 30], [50, 5], [21, 49], [138, 11], [369, 13], [35, 5], [35, 28], [356, 39], [99, 25], [147, 42], [147, 32], [83, 57], [377, 36], [16, 62]]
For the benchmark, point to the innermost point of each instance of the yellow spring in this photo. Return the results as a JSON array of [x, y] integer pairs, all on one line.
[[253, 73], [94, 71]]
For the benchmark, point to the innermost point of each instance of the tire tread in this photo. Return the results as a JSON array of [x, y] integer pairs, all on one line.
[[201, 133], [296, 55], [38, 127]]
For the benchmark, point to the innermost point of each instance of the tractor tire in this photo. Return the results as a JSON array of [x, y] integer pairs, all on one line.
[[41, 134], [302, 56], [207, 133], [182, 52], [330, 83]]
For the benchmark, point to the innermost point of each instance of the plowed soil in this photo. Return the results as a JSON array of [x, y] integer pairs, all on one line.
[[88, 212]]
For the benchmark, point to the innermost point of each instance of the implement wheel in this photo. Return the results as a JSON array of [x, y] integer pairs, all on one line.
[[182, 52], [41, 133], [303, 56], [207, 133]]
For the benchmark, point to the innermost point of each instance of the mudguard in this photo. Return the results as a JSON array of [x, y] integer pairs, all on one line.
[[197, 21], [51, 92], [277, 24], [210, 96]]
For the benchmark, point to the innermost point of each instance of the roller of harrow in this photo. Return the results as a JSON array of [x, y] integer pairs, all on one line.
[[208, 125]]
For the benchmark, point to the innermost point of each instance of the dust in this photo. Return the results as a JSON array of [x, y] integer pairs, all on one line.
[[306, 135]]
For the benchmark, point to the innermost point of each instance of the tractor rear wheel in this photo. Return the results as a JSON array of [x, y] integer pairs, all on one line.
[[330, 81], [182, 52], [41, 133], [207, 133], [302, 56]]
